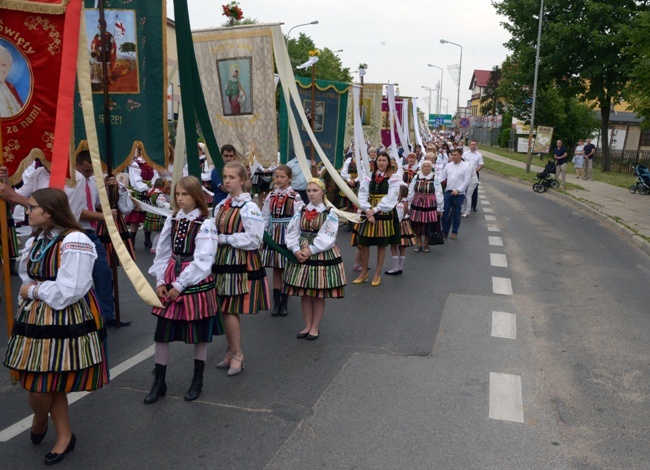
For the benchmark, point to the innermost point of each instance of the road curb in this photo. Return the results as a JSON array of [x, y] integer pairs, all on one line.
[[621, 229]]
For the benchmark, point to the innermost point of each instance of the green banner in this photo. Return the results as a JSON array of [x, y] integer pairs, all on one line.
[[331, 104], [136, 61]]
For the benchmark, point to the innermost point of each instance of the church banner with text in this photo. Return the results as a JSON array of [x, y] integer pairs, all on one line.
[[136, 61], [330, 113], [30, 64]]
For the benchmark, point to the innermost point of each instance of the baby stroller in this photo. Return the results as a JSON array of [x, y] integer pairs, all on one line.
[[642, 180], [544, 179]]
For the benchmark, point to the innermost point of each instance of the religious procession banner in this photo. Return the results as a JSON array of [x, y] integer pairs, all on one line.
[[330, 108], [136, 61], [31, 43], [385, 121], [236, 69], [371, 115], [543, 139]]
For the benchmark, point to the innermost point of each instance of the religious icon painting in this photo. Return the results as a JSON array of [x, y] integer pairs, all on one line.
[[236, 85], [319, 116], [16, 81], [121, 54]]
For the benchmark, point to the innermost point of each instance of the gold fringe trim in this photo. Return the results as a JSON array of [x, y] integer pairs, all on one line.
[[35, 7], [34, 154], [325, 88]]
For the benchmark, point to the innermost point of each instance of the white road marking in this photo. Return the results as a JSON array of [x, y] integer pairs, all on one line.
[[506, 402], [490, 217], [485, 201], [501, 285], [481, 196], [26, 423], [493, 228], [498, 260], [495, 241], [488, 210], [504, 325]]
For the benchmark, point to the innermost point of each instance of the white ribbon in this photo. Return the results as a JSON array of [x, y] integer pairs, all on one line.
[[312, 61], [360, 149], [405, 124], [416, 122]]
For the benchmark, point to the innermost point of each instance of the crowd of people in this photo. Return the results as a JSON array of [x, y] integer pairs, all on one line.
[[210, 263]]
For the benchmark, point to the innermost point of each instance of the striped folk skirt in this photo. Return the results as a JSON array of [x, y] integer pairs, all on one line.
[[423, 212], [271, 258], [385, 231], [59, 350], [408, 237], [241, 281], [153, 222], [194, 316], [321, 276]]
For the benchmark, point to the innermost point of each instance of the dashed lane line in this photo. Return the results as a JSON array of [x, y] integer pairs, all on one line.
[[490, 217], [501, 285], [504, 325], [506, 403], [493, 228], [495, 241], [498, 260]]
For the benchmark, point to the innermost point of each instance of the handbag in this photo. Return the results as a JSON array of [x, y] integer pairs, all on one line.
[[436, 236]]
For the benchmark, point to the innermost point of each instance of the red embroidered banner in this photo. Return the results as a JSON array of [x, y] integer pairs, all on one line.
[[31, 43]]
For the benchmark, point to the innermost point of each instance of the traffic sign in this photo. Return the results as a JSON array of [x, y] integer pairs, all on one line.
[[464, 123]]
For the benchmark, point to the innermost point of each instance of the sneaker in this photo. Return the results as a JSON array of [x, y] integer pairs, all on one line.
[[453, 236], [464, 216]]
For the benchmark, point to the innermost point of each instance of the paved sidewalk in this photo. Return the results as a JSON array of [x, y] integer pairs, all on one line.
[[630, 213]]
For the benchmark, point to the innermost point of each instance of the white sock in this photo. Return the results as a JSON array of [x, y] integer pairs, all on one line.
[[401, 262], [395, 264]]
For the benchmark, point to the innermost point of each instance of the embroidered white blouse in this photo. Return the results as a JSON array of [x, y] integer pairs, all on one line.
[[324, 240], [266, 208], [387, 202], [251, 217]]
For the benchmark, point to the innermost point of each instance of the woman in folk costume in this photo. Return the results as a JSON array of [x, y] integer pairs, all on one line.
[[57, 342], [240, 275], [185, 286], [158, 197], [378, 196], [141, 177], [234, 91], [279, 207], [407, 236], [261, 179], [425, 196], [319, 273]]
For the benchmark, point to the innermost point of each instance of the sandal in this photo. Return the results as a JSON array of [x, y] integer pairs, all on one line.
[[417, 249], [426, 249]]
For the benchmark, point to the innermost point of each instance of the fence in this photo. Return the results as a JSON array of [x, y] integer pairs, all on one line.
[[485, 135], [622, 161]]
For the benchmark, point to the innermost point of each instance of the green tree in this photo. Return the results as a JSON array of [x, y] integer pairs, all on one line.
[[127, 48], [491, 102], [247, 20], [583, 48], [638, 92]]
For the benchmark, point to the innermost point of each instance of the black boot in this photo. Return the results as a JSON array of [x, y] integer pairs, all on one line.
[[276, 302], [147, 240], [132, 235], [159, 386], [283, 305], [197, 381]]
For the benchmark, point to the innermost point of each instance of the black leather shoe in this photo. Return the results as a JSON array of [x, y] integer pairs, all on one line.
[[113, 322], [312, 337], [393, 273], [51, 458], [474, 209], [302, 335], [38, 438]]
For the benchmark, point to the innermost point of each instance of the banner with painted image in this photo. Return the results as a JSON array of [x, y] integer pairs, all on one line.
[[330, 114], [31, 38], [371, 116], [385, 121], [236, 69], [543, 139], [136, 62]]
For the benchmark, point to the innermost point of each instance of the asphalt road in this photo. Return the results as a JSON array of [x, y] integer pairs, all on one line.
[[419, 372]]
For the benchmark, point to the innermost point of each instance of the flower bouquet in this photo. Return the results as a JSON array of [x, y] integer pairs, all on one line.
[[232, 11]]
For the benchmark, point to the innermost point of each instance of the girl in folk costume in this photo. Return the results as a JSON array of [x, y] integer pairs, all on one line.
[[261, 179], [350, 174], [279, 207], [408, 237], [158, 197], [57, 343], [378, 196], [410, 169], [425, 195], [141, 176], [185, 286], [319, 273], [119, 197], [240, 275]]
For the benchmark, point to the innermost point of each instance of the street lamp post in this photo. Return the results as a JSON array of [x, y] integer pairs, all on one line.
[[532, 116], [429, 89], [442, 73], [298, 26], [460, 74], [446, 105]]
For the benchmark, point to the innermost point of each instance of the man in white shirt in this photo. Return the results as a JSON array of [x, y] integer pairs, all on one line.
[[458, 175], [474, 158]]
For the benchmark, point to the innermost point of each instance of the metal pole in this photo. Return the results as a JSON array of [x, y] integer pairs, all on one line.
[[532, 116], [442, 75], [460, 75]]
